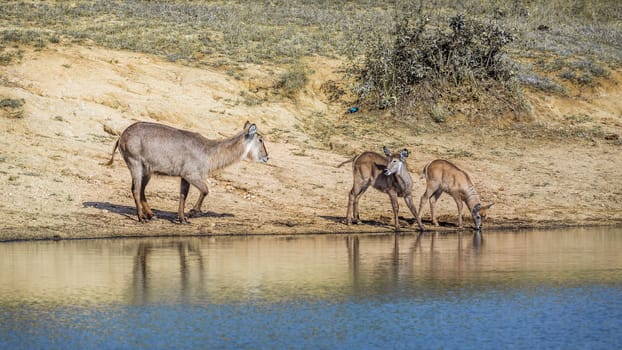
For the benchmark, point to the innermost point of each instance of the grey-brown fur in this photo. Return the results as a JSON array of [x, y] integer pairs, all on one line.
[[443, 176], [387, 174], [151, 148]]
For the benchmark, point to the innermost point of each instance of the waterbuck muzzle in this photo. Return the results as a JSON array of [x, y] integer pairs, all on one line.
[[477, 218]]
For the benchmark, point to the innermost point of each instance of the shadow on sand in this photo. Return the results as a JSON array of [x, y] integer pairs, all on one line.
[[130, 211], [388, 222]]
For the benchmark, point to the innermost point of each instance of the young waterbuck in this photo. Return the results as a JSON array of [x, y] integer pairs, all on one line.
[[150, 148], [443, 176], [386, 174]]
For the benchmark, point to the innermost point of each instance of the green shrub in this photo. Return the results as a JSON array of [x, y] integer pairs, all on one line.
[[467, 54], [293, 80], [11, 103], [439, 114], [12, 108]]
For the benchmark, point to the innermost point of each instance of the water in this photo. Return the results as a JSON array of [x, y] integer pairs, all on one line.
[[531, 289]]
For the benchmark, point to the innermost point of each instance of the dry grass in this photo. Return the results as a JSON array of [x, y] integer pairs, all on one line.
[[558, 44], [257, 31]]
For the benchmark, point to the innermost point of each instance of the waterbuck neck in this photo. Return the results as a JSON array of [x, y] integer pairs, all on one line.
[[403, 177], [471, 198], [221, 154]]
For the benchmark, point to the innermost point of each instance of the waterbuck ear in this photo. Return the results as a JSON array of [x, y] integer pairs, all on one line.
[[489, 206], [386, 151], [404, 153], [252, 130], [246, 125]]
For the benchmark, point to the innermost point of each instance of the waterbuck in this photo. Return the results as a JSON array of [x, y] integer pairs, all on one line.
[[151, 148], [443, 176], [386, 174]]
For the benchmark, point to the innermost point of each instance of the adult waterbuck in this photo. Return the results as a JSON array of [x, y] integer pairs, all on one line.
[[151, 148], [443, 176], [387, 174]]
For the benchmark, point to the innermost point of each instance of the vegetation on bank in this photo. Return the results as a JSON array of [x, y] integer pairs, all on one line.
[[435, 58], [439, 71]]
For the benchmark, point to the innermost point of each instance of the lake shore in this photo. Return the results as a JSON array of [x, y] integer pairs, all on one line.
[[77, 99]]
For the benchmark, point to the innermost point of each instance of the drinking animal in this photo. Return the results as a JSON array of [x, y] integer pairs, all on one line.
[[443, 176], [387, 174], [151, 148]]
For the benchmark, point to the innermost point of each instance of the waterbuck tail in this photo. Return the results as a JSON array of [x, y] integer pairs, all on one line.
[[346, 162], [116, 144], [424, 173]]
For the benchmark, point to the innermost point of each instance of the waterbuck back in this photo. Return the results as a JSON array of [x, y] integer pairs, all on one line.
[[165, 150]]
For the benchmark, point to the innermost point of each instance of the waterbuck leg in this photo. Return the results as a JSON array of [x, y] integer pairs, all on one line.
[[424, 198], [357, 192], [353, 203], [183, 194], [350, 207], [137, 176], [136, 195], [143, 199], [459, 205], [433, 200], [396, 209], [204, 191], [355, 208], [357, 216], [409, 203]]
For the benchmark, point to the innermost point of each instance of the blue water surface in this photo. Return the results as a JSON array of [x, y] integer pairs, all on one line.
[[569, 318]]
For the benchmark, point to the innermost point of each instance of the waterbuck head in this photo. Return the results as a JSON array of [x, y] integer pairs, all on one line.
[[255, 147], [395, 163], [479, 214]]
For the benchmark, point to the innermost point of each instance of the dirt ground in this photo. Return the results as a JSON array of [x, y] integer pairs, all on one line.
[[54, 183]]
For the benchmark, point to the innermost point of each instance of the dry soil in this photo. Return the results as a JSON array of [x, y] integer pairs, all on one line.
[[77, 99]]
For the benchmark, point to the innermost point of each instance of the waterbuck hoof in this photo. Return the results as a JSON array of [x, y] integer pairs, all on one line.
[[194, 213], [183, 221], [146, 219]]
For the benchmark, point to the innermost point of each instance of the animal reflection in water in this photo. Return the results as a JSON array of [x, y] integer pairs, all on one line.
[[186, 250], [403, 261], [184, 273]]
